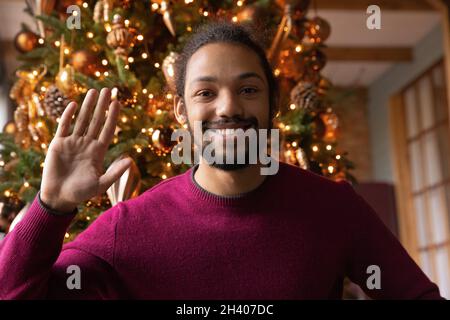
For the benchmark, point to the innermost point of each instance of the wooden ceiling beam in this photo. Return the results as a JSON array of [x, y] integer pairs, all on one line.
[[394, 54], [405, 5]]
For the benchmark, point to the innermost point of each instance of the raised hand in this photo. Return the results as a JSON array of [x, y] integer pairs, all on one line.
[[73, 168]]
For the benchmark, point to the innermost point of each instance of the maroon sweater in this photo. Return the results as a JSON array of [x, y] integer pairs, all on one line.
[[295, 237]]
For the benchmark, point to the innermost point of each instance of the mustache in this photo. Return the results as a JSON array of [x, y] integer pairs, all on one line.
[[252, 121]]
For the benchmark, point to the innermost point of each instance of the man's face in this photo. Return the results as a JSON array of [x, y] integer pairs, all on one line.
[[225, 88]]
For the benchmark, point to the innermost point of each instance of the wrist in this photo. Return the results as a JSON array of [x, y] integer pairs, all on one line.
[[58, 206]]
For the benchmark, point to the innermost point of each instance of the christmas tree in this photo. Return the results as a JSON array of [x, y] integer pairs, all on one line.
[[131, 46]]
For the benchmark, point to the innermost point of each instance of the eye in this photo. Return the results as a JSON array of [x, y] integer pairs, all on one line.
[[249, 90], [205, 93]]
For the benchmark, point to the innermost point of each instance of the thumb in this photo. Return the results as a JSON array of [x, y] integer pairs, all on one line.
[[112, 174]]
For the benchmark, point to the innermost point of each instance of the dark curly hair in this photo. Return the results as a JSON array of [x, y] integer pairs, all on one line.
[[223, 31]]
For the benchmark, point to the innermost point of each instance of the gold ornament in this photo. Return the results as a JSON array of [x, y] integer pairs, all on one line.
[[26, 41], [165, 11], [10, 127], [65, 80], [162, 143], [120, 38], [168, 67], [302, 159], [85, 61], [127, 186], [331, 122], [253, 14]]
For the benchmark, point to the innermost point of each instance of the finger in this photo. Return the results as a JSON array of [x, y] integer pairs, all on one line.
[[65, 120], [113, 173], [85, 112], [99, 113], [110, 125]]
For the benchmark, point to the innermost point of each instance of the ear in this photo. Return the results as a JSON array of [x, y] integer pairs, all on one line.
[[179, 109]]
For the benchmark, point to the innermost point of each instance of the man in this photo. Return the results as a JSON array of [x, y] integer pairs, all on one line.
[[219, 231]]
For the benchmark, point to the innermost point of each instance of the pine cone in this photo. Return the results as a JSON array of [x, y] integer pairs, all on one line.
[[304, 95], [55, 102]]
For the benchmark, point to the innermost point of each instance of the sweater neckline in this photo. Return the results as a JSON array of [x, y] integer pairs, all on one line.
[[242, 199]]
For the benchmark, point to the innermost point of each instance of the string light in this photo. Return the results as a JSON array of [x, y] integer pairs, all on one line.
[[2, 163], [144, 91], [66, 51], [143, 130], [158, 111], [140, 37], [277, 72], [150, 96], [126, 22], [205, 13], [164, 176], [315, 148], [234, 19], [287, 128], [43, 89], [97, 73], [292, 106], [294, 144], [108, 27], [169, 164], [240, 3], [67, 235], [330, 169], [35, 73], [43, 146], [85, 5], [338, 157], [124, 119], [130, 59], [298, 48], [144, 55], [90, 35], [328, 147], [156, 65], [26, 184], [75, 13], [189, 28], [127, 66], [104, 62], [155, 6], [169, 96], [106, 73], [41, 41], [7, 193]]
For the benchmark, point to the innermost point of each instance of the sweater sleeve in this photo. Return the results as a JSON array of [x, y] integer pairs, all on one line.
[[34, 264], [376, 251]]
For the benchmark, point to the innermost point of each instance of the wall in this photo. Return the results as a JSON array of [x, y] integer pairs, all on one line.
[[427, 52]]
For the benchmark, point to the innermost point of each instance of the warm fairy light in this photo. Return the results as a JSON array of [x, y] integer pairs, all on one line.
[[328, 147], [234, 19], [126, 22], [108, 27], [338, 157], [292, 106], [287, 128], [315, 148], [294, 144], [185, 126], [43, 89], [41, 41], [75, 13], [43, 146], [188, 1], [7, 193], [156, 65], [67, 235], [285, 29], [88, 218], [130, 59], [150, 96], [330, 169], [2, 163], [114, 93], [240, 3], [13, 154], [127, 66], [158, 111], [144, 91], [164, 176], [104, 62], [35, 73], [106, 73], [205, 13], [277, 72], [138, 149], [169, 96], [140, 37], [155, 6], [143, 130], [97, 73], [168, 164], [150, 130], [66, 51], [26, 184], [90, 35], [40, 124], [42, 164], [85, 5], [124, 119], [144, 55], [134, 117], [189, 28], [298, 48]]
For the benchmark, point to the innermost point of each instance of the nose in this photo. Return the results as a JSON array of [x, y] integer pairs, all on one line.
[[228, 105]]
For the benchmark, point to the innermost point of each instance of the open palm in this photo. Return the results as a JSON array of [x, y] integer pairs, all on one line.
[[73, 169]]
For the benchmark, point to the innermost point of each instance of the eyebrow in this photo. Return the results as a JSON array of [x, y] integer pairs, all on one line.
[[242, 76]]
